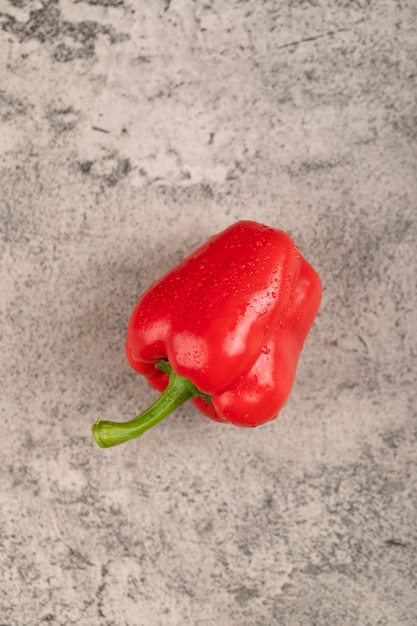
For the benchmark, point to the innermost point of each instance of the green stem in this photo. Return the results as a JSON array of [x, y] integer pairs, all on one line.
[[179, 390]]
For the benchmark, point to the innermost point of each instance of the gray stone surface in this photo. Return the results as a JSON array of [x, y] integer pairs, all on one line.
[[130, 132]]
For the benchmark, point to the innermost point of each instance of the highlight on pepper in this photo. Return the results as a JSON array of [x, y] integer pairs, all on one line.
[[224, 328]]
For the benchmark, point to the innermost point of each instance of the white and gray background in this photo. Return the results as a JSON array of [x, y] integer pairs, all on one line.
[[131, 132]]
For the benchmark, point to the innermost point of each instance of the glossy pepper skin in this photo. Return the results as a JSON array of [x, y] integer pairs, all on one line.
[[232, 319]]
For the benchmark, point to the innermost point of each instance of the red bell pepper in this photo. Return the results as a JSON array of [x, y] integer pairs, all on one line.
[[225, 327]]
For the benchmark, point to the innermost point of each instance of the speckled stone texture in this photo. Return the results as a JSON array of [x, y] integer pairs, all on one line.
[[130, 132]]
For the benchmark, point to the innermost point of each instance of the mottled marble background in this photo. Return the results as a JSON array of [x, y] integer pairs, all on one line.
[[130, 132]]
